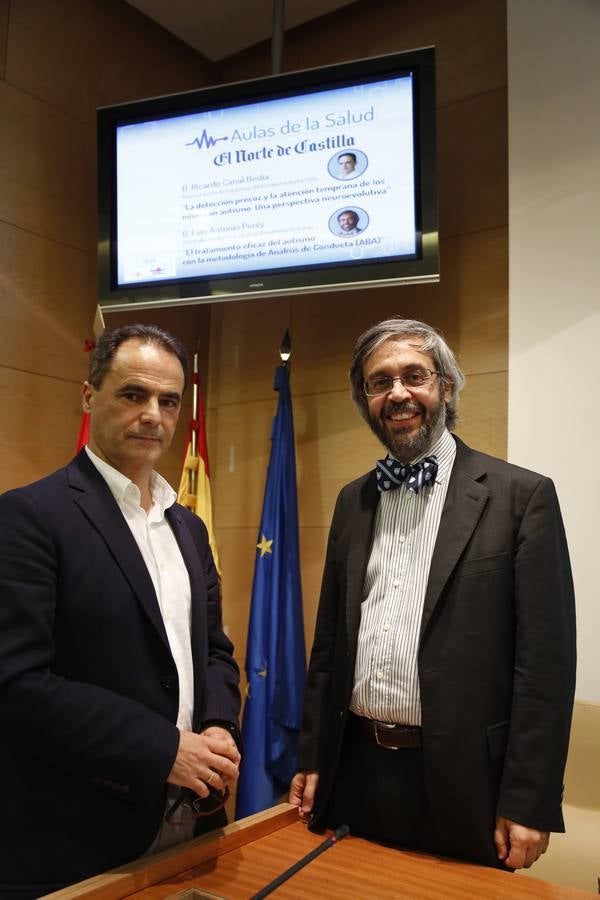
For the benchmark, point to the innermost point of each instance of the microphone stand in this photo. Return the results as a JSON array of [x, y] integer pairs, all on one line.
[[338, 834]]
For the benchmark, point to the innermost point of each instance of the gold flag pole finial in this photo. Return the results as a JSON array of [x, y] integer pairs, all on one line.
[[98, 326]]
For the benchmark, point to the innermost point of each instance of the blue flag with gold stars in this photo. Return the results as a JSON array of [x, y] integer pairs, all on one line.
[[275, 655]]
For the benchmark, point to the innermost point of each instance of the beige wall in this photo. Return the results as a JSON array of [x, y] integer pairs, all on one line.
[[469, 304], [554, 414], [59, 60], [554, 419]]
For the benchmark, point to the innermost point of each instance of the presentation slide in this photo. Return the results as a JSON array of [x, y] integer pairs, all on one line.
[[322, 177]]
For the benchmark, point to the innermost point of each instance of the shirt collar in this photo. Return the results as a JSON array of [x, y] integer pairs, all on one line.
[[125, 491]]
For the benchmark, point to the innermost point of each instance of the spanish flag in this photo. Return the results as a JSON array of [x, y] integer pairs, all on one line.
[[84, 432], [194, 487]]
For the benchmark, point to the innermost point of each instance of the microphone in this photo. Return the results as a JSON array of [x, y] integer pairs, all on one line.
[[337, 835]]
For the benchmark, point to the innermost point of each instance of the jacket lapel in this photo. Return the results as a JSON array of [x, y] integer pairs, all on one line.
[[191, 558], [363, 519], [465, 501], [198, 588], [98, 505]]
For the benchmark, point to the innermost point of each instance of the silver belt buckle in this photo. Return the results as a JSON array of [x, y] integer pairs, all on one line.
[[388, 725]]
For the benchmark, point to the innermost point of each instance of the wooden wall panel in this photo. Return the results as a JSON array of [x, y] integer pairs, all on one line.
[[4, 8], [46, 305], [313, 544], [237, 549], [481, 422], [63, 22], [470, 37], [109, 53], [239, 443], [44, 416], [245, 340], [32, 68], [141, 59], [47, 161], [334, 446], [472, 164], [477, 271]]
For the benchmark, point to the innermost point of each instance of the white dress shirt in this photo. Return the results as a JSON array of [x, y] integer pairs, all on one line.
[[161, 553], [166, 567], [386, 680]]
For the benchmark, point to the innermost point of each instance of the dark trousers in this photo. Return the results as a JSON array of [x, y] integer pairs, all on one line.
[[381, 794]]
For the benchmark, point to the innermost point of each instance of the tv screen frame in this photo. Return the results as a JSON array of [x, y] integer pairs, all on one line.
[[341, 251]]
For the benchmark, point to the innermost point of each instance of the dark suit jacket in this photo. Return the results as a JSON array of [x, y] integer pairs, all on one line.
[[88, 685], [496, 655]]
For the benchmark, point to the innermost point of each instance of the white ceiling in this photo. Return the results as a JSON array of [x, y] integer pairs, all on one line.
[[222, 27]]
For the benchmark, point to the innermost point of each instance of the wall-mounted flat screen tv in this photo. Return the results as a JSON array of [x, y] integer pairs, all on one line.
[[318, 180]]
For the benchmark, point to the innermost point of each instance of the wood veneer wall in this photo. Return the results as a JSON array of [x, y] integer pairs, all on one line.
[[59, 60], [469, 304]]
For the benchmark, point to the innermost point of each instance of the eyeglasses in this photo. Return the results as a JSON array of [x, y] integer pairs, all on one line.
[[191, 806], [383, 384]]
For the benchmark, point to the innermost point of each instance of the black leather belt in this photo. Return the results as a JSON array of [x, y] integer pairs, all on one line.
[[392, 737]]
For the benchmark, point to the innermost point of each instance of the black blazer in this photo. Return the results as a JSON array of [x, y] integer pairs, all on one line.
[[496, 654], [88, 685]]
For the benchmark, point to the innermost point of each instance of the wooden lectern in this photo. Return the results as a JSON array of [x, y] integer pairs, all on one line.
[[237, 861]]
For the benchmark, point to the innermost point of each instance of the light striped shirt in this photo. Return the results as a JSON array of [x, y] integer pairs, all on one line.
[[386, 679]]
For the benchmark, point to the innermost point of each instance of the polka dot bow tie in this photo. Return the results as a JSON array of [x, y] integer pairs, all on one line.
[[391, 474]]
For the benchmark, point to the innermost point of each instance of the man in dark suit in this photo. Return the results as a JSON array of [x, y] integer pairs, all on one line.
[[117, 684], [440, 686]]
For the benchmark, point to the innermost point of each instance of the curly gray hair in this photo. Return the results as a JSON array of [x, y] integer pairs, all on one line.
[[429, 341]]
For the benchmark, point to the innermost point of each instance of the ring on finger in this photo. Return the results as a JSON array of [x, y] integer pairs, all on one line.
[[210, 778]]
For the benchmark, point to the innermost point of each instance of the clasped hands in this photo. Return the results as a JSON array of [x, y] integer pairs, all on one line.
[[210, 757]]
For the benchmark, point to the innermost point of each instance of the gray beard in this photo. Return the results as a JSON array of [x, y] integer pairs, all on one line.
[[408, 446]]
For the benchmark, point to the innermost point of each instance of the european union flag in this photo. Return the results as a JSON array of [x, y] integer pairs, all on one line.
[[275, 656]]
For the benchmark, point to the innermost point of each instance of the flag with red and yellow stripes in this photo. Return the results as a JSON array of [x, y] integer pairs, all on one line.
[[194, 487]]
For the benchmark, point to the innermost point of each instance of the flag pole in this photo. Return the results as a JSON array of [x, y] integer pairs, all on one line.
[[275, 652], [194, 486], [194, 435], [88, 345]]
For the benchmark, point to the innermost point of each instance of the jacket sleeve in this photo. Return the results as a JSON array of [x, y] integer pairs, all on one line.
[[80, 728], [544, 667]]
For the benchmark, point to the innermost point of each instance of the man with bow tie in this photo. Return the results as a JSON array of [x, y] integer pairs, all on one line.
[[440, 687]]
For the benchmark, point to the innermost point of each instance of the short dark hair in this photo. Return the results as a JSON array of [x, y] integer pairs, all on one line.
[[348, 212], [110, 341], [431, 341], [351, 155]]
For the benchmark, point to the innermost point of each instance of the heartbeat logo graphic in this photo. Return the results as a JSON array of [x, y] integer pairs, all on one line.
[[205, 140]]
